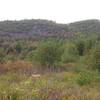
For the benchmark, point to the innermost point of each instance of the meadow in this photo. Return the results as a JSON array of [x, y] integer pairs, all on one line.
[[50, 69]]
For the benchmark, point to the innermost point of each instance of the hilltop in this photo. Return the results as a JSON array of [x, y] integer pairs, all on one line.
[[45, 28]]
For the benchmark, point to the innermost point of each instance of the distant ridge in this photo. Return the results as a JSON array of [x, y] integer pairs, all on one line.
[[45, 28], [86, 26]]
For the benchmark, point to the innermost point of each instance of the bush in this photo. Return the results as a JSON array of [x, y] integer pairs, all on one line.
[[84, 78], [2, 55], [95, 58], [80, 45], [79, 41], [78, 69], [90, 43], [70, 53], [49, 53], [13, 96], [18, 47]]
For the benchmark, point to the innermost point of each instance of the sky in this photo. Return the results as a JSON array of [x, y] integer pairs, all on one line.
[[61, 11]]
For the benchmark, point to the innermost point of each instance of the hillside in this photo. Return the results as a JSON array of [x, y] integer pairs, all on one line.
[[27, 28], [45, 28], [86, 27]]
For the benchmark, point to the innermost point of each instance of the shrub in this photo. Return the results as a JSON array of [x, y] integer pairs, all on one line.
[[79, 41], [90, 43], [84, 78], [18, 48], [2, 55], [70, 53], [96, 57], [13, 96], [49, 53], [78, 69], [80, 47]]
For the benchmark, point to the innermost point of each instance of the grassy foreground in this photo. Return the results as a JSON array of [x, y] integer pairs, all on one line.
[[50, 69], [66, 85]]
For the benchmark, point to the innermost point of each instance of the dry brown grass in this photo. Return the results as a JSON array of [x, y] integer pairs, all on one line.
[[16, 66]]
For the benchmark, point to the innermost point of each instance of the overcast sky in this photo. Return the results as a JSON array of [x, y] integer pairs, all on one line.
[[61, 11]]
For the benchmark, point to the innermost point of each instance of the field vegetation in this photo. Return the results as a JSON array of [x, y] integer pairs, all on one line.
[[50, 68]]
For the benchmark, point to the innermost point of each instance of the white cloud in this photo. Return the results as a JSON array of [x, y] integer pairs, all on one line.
[[62, 11]]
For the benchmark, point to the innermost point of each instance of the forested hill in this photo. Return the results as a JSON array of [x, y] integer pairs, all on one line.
[[45, 28], [86, 27], [27, 28]]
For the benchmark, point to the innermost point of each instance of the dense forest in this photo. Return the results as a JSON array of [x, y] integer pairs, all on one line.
[[44, 60]]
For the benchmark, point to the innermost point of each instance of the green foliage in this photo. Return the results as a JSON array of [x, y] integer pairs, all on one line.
[[96, 57], [13, 96], [84, 78], [2, 55], [18, 47], [81, 47], [78, 69], [49, 53], [90, 43], [84, 43], [79, 41], [70, 53], [81, 64]]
